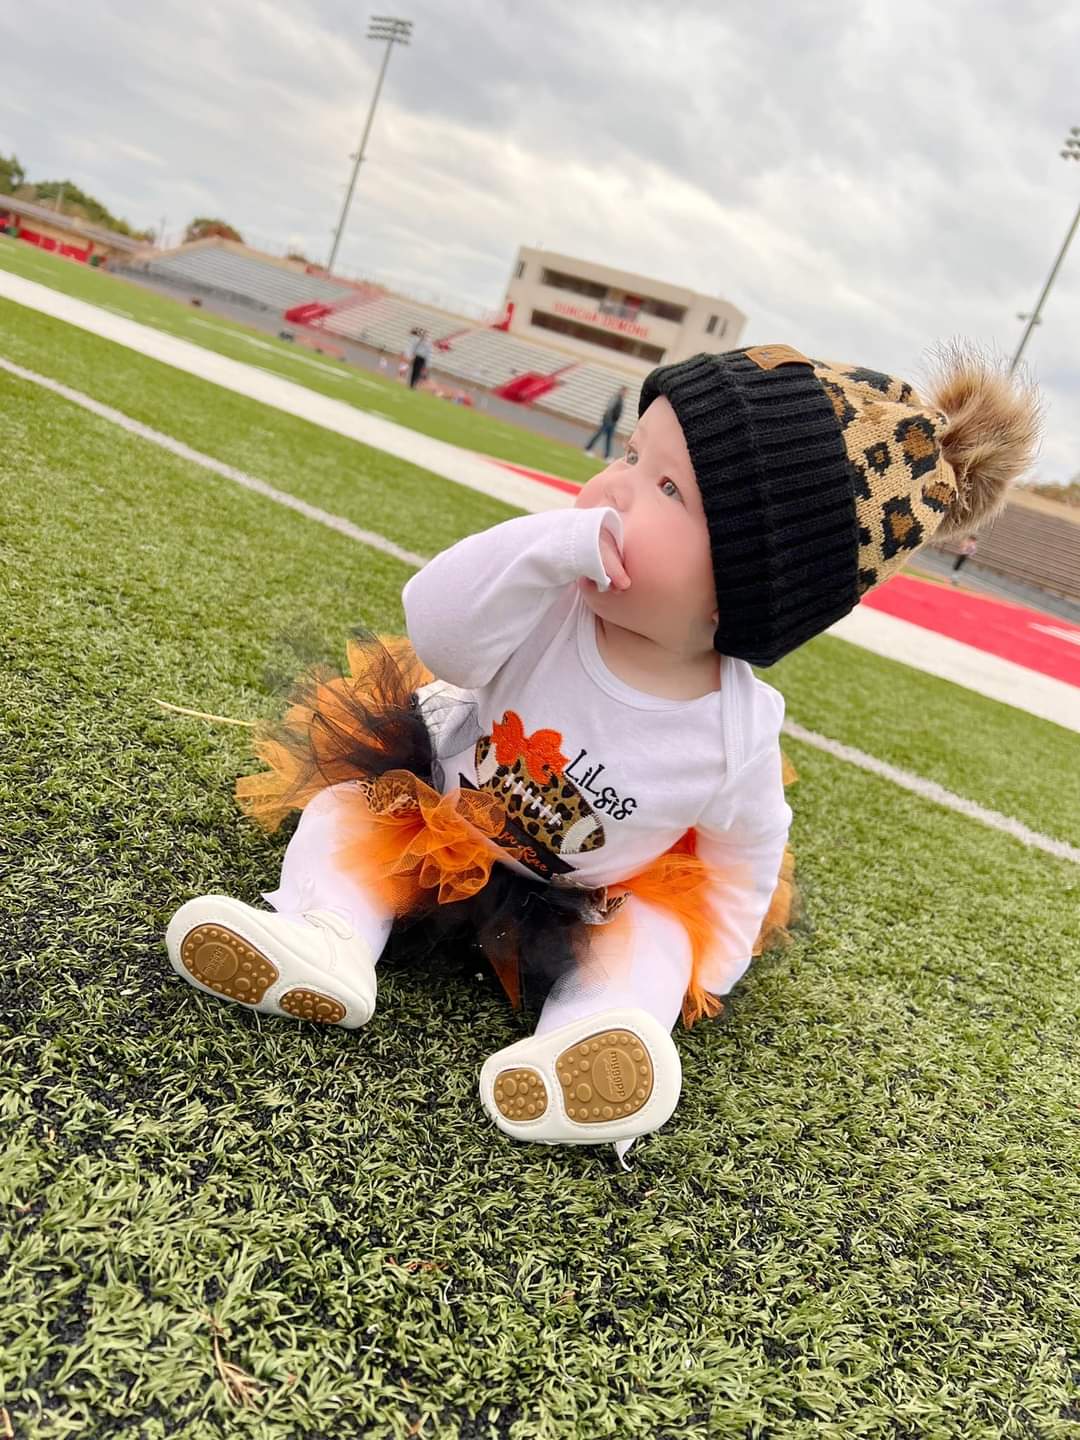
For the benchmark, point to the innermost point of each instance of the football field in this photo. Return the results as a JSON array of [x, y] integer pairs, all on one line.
[[862, 1220]]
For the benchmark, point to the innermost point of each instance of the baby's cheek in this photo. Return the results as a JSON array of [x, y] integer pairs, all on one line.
[[649, 574], [661, 552]]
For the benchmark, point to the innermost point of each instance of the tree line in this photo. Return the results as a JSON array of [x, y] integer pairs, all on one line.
[[69, 199]]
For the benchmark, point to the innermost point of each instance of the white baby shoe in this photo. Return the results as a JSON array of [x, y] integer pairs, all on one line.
[[312, 968], [607, 1077]]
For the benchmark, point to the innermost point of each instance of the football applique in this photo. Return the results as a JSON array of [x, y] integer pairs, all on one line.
[[545, 811]]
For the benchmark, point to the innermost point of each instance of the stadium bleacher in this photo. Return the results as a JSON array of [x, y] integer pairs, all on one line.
[[486, 357], [223, 268], [585, 392], [474, 355], [1033, 540], [386, 323], [479, 355], [491, 358]]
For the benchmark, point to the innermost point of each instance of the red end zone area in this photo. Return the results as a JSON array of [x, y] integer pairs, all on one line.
[[1026, 637]]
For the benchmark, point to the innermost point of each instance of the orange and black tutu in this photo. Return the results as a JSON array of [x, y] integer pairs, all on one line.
[[434, 857]]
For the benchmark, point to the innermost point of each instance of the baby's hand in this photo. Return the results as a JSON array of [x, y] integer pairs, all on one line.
[[612, 561]]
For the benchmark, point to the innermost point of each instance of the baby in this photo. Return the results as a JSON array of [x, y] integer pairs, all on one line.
[[575, 759]]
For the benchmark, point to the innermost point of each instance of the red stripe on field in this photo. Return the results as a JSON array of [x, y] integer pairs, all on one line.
[[556, 482], [994, 626]]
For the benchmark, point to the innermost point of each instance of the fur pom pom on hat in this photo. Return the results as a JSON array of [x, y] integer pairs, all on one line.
[[990, 436], [820, 480]]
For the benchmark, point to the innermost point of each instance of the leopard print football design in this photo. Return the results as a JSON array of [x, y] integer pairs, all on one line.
[[890, 450], [554, 815]]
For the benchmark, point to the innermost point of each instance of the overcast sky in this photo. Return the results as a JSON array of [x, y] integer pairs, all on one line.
[[860, 178]]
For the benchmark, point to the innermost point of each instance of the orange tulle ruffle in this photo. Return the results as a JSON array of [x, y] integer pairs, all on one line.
[[683, 885], [415, 846], [312, 746]]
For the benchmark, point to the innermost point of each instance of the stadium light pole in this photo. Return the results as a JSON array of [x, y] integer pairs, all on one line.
[[1070, 152], [394, 32]]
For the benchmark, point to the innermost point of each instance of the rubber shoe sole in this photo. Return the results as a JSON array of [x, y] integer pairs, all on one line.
[[226, 964], [218, 959], [607, 1077]]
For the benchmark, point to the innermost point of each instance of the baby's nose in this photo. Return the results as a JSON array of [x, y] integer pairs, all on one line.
[[618, 495]]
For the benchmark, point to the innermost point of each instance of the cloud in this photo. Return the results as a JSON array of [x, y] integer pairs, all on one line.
[[861, 180]]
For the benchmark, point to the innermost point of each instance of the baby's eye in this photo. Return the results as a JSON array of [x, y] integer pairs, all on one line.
[[631, 455], [668, 487]]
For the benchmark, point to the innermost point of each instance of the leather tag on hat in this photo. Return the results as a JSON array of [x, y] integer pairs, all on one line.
[[771, 356]]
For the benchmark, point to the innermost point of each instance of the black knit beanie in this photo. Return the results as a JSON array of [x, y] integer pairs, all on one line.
[[819, 480]]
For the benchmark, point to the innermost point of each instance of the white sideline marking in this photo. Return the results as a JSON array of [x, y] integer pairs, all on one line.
[[926, 789], [450, 462], [228, 472], [297, 355], [931, 790], [949, 659], [225, 334]]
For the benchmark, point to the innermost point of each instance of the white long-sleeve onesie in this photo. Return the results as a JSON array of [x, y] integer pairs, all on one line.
[[500, 619]]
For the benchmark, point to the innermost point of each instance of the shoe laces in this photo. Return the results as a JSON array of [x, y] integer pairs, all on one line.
[[330, 920]]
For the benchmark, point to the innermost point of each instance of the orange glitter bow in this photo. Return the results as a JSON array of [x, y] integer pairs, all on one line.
[[540, 751]]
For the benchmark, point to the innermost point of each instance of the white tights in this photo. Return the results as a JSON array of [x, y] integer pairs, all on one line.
[[644, 964]]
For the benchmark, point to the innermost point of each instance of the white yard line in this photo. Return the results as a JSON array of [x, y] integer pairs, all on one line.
[[927, 789], [227, 472], [931, 790]]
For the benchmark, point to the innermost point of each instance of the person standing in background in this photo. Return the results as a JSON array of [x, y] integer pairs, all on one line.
[[418, 355], [968, 547], [612, 415]]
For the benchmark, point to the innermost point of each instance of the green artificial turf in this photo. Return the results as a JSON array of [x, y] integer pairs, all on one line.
[[994, 754], [376, 491], [367, 390], [860, 1222]]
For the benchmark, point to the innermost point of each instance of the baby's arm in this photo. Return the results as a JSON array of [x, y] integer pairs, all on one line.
[[470, 608], [746, 854]]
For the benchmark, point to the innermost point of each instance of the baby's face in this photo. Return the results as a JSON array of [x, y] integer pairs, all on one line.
[[666, 551]]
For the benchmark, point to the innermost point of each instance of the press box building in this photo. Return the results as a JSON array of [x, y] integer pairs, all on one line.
[[614, 317]]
